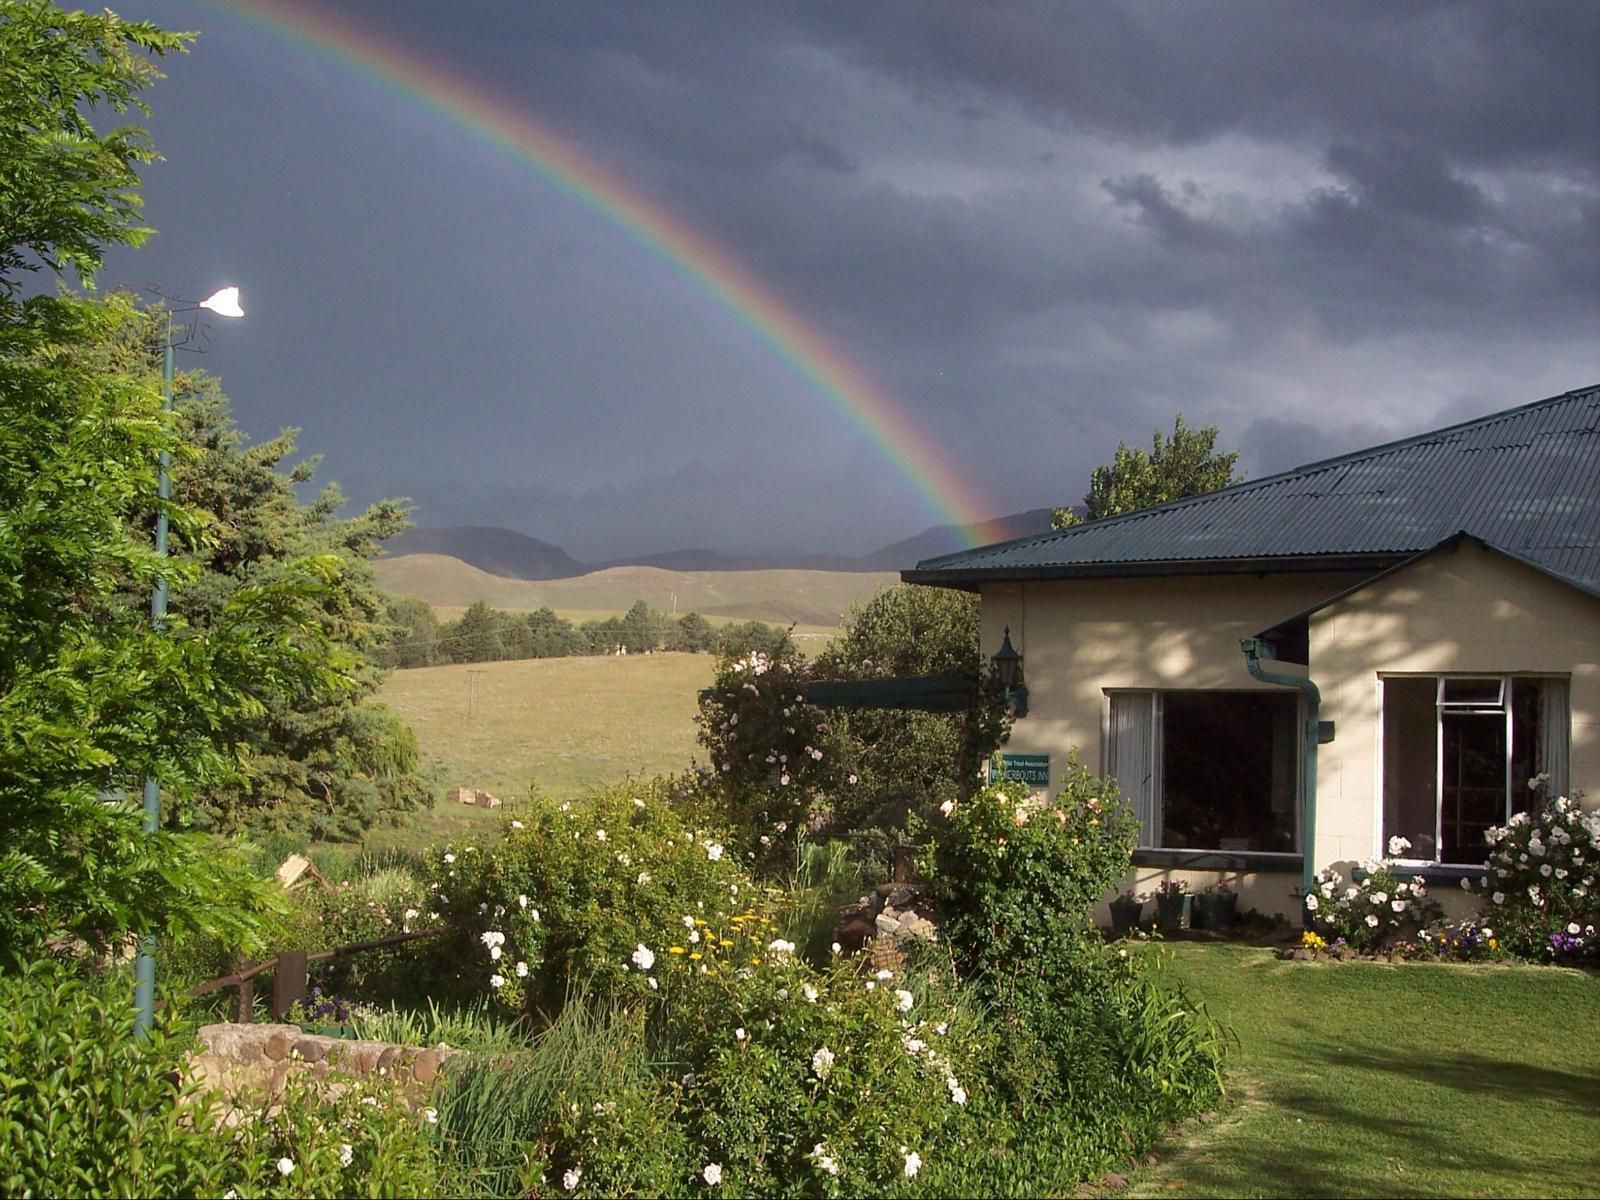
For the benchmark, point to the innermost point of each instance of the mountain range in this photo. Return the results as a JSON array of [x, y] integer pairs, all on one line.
[[514, 555]]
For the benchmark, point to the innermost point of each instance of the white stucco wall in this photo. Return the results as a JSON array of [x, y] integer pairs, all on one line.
[[1465, 610], [1079, 638], [1461, 610]]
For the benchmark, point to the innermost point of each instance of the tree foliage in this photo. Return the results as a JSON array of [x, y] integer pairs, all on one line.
[[324, 766], [92, 700], [1187, 464], [784, 764]]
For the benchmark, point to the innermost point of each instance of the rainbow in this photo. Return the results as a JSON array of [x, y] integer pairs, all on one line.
[[498, 124]]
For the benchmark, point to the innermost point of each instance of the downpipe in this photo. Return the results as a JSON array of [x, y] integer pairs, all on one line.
[[1255, 649]]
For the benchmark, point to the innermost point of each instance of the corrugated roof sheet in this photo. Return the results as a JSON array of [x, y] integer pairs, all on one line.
[[1526, 480]]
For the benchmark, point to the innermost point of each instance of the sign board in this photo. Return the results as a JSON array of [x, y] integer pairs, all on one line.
[[1031, 769]]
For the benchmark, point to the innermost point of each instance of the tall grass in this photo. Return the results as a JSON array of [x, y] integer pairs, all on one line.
[[493, 1106], [825, 875], [473, 1026]]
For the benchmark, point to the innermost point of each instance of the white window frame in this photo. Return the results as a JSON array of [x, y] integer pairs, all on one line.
[[1158, 750], [1441, 707]]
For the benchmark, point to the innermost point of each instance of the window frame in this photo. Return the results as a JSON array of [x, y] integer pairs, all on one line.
[[1157, 750], [1441, 709]]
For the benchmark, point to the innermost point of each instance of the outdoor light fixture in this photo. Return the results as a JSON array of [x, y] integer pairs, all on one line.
[[1008, 670], [225, 303]]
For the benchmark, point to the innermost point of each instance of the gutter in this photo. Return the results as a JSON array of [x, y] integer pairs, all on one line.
[[1255, 649]]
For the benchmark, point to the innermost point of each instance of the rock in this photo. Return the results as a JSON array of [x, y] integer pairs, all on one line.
[[388, 1057], [425, 1067], [311, 1050], [887, 924], [278, 1046]]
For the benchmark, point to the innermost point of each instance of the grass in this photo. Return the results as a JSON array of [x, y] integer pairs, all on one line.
[[1361, 1079], [569, 724]]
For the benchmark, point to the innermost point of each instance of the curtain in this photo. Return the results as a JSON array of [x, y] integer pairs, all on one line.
[[1555, 728], [1133, 759]]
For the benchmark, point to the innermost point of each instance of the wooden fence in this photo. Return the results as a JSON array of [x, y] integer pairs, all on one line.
[[290, 973]]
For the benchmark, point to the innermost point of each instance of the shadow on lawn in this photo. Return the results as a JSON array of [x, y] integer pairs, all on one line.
[[1514, 1083], [1280, 1141]]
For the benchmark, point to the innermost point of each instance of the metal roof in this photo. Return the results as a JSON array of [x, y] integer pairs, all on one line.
[[1526, 480]]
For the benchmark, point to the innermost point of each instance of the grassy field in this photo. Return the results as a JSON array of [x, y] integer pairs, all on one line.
[[810, 598], [1360, 1079], [567, 723]]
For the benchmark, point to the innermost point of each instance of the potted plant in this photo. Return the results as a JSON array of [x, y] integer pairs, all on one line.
[[1172, 904], [1126, 910], [1215, 907], [327, 1015]]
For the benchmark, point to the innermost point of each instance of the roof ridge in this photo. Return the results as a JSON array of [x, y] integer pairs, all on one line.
[[1248, 485]]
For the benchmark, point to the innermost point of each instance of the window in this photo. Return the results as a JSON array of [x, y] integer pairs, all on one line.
[[1208, 770], [1458, 752]]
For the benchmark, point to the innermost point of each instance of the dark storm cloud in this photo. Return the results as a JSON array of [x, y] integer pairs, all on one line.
[[1038, 226]]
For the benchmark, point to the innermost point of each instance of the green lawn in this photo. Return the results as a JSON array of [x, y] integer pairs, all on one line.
[[1360, 1079]]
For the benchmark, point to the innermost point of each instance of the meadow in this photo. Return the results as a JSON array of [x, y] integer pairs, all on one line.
[[567, 724]]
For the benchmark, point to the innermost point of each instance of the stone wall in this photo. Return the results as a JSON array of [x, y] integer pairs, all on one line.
[[261, 1058]]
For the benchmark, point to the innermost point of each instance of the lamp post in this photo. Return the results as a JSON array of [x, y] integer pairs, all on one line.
[[224, 303]]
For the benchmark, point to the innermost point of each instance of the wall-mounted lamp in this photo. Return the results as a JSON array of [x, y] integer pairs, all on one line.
[[1008, 670]]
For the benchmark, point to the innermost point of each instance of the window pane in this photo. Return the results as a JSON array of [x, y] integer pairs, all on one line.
[[1229, 770], [1473, 796], [1410, 765], [1526, 739], [1481, 692]]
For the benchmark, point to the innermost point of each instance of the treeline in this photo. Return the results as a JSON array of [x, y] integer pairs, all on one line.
[[485, 634]]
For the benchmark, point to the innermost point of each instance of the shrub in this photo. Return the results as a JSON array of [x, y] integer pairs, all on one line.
[[1374, 911], [88, 1109], [571, 893], [1540, 892], [1016, 878]]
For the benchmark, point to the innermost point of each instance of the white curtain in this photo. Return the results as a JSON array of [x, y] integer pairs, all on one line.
[[1555, 727], [1133, 758]]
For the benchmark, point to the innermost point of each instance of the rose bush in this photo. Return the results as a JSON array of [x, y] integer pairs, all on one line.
[[1376, 910], [1540, 891]]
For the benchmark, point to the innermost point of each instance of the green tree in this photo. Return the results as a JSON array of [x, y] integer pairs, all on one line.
[[416, 634], [1186, 465], [692, 634], [643, 628], [327, 767], [552, 636], [476, 636], [740, 638], [92, 700]]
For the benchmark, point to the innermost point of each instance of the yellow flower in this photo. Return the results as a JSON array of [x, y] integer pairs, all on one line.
[[727, 941], [694, 956], [675, 950]]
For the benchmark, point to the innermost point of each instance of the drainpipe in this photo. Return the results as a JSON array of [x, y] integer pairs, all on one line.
[[1255, 649]]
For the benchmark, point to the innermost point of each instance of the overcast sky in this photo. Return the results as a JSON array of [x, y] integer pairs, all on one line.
[[1040, 228]]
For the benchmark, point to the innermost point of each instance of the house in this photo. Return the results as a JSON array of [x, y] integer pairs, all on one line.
[[1285, 674]]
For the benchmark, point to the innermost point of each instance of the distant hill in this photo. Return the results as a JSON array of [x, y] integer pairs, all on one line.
[[947, 539], [776, 596], [512, 555], [503, 552]]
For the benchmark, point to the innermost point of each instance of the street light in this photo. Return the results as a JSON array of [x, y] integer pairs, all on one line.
[[225, 303]]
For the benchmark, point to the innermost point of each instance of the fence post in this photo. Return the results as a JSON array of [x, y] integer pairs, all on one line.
[[288, 982], [247, 995]]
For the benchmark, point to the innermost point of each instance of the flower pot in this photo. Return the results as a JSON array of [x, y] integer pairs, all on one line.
[[1215, 910], [1172, 912], [1125, 916], [329, 1029]]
